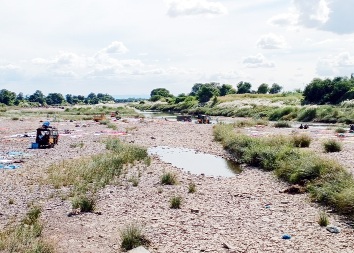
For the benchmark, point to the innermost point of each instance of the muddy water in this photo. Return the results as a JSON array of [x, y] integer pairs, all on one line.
[[197, 163]]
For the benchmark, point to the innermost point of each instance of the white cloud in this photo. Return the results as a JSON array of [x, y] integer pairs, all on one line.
[[284, 19], [328, 15], [312, 13], [60, 73], [231, 74], [195, 7], [258, 61], [342, 64], [116, 47], [271, 41], [64, 58]]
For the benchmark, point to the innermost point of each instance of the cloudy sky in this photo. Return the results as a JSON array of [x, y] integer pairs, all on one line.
[[131, 47]]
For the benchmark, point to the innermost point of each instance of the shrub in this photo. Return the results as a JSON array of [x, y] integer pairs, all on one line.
[[191, 188], [301, 141], [32, 215], [132, 236], [340, 130], [282, 124], [323, 219], [307, 115], [332, 146], [15, 118], [85, 203], [175, 202], [168, 178]]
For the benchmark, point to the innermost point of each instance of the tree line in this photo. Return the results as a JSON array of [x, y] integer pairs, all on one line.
[[11, 98], [203, 92]]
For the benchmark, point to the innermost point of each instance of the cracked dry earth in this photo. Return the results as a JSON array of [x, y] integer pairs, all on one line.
[[223, 215]]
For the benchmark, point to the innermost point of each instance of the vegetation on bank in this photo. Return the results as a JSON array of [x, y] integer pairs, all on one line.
[[86, 176], [25, 236], [327, 182]]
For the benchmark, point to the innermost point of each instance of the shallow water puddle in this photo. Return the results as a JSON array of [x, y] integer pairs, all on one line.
[[196, 162]]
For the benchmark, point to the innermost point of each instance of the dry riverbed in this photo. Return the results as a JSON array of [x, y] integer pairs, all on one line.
[[245, 213]]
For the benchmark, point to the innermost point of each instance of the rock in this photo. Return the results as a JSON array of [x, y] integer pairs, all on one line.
[[333, 229], [139, 250], [69, 214], [194, 210]]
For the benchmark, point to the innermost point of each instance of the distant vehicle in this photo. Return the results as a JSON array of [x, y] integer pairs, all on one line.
[[99, 118], [47, 136], [185, 118], [204, 119]]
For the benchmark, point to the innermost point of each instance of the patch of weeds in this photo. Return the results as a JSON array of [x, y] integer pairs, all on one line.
[[175, 202], [282, 124], [112, 126], [84, 202], [332, 146], [11, 201], [130, 129], [132, 236], [340, 130], [168, 178], [104, 122], [301, 141], [25, 236], [191, 188], [134, 181], [323, 219], [76, 145], [15, 118]]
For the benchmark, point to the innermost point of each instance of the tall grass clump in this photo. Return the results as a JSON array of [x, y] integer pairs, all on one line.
[[282, 124], [86, 203], [301, 140], [132, 236], [175, 202], [25, 236], [168, 178], [280, 114], [323, 219], [307, 115], [87, 175], [332, 146], [191, 188], [340, 130], [327, 181]]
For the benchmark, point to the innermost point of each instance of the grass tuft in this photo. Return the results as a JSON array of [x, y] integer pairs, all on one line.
[[175, 202], [340, 130], [132, 236], [332, 146], [282, 124], [301, 141], [323, 219], [191, 188], [168, 178], [85, 203]]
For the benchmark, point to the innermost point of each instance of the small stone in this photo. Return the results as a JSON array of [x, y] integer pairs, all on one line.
[[139, 250], [69, 214], [333, 229]]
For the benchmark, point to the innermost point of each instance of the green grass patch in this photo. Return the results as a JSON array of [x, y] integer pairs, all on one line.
[[332, 146], [87, 175], [175, 202], [25, 236], [323, 219], [327, 182], [132, 236], [301, 140], [282, 124], [191, 188], [168, 178], [84, 202], [340, 130]]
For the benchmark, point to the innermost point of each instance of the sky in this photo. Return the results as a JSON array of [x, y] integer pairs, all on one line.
[[132, 47]]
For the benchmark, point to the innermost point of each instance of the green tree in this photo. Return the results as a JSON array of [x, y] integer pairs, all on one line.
[[160, 92], [263, 88], [69, 99], [207, 92], [226, 89], [54, 99], [37, 97], [7, 97], [243, 87], [276, 88]]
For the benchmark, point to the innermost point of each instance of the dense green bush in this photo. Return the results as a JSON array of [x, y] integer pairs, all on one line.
[[332, 146]]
